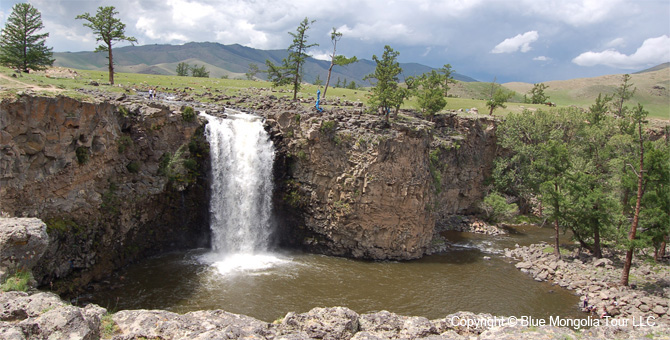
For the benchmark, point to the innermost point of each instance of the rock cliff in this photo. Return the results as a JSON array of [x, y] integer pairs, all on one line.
[[362, 190], [117, 178], [113, 179], [369, 190]]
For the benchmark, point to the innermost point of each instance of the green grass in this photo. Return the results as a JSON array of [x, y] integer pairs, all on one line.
[[17, 282], [465, 95]]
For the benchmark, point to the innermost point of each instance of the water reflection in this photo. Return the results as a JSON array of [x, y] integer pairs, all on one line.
[[434, 286]]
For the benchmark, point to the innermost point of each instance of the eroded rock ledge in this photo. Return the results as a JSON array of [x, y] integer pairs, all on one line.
[[44, 315]]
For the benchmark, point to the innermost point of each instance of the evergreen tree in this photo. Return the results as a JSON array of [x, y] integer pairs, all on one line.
[[537, 95], [447, 78], [429, 91], [624, 92], [107, 29], [335, 59], [386, 93], [20, 45], [252, 72], [290, 72], [638, 115], [199, 71], [182, 69]]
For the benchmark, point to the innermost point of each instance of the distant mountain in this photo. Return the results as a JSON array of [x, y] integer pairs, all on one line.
[[655, 68], [221, 60]]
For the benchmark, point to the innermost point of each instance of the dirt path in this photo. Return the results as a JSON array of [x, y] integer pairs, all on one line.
[[21, 84]]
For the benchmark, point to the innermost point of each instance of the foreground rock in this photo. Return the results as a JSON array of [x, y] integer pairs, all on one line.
[[45, 316], [596, 280], [22, 243]]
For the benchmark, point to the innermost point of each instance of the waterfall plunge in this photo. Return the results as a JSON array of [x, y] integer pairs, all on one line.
[[241, 193]]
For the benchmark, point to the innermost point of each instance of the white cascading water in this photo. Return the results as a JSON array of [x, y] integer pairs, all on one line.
[[242, 156]]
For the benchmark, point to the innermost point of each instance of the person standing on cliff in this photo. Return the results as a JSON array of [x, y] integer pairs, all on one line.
[[318, 99]]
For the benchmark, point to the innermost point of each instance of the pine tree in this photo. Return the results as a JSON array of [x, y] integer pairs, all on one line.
[[20, 45], [386, 93], [107, 29], [182, 69], [290, 72]]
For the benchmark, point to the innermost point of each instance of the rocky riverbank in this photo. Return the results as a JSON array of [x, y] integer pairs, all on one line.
[[44, 316], [596, 281]]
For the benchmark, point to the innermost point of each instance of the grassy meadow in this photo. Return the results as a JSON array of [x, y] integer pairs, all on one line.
[[652, 89]]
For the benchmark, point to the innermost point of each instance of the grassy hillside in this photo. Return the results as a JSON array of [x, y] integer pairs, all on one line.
[[653, 90], [220, 60], [468, 94]]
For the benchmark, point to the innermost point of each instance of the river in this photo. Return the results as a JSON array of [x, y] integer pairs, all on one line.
[[434, 286], [241, 274]]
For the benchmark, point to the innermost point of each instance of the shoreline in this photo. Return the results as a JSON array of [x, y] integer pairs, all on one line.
[[596, 281]]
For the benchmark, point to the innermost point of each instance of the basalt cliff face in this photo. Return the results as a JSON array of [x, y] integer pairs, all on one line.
[[362, 190], [366, 189], [107, 177], [118, 178]]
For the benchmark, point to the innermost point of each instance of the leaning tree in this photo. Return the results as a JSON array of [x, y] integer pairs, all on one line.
[[21, 47], [107, 29]]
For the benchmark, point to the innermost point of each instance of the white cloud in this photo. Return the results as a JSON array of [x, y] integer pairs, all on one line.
[[578, 12], [427, 51], [541, 58], [320, 55], [615, 43], [653, 51], [519, 42]]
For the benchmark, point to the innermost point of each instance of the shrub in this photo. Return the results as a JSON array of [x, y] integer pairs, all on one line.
[[123, 143], [82, 155], [188, 114], [328, 126], [496, 208], [133, 167], [17, 282]]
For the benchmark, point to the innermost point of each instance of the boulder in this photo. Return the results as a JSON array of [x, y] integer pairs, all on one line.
[[22, 242], [322, 323]]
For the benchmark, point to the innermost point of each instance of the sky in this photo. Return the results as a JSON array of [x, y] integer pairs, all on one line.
[[503, 40]]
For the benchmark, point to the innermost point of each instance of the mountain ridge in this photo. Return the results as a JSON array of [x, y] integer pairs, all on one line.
[[222, 60]]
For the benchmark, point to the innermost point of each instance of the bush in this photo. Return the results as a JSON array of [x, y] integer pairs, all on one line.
[[497, 209], [123, 143], [82, 155], [328, 126], [188, 114], [133, 167], [17, 282]]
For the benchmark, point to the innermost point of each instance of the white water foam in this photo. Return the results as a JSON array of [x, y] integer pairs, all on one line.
[[242, 156]]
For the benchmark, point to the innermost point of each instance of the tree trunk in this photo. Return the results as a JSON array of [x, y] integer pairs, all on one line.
[[111, 65], [636, 216], [597, 252], [330, 69], [557, 250]]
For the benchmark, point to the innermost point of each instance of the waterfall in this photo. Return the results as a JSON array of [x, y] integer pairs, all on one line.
[[240, 207]]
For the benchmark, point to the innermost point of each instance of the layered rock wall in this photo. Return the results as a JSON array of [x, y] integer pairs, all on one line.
[[107, 177], [363, 189]]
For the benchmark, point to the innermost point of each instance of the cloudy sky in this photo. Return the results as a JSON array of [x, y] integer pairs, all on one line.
[[509, 40]]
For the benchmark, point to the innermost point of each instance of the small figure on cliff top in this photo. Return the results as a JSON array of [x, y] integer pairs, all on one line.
[[318, 99]]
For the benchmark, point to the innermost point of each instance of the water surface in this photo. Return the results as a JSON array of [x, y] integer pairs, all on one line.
[[270, 285]]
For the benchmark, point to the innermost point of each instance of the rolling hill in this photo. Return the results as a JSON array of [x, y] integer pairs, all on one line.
[[220, 60], [653, 89]]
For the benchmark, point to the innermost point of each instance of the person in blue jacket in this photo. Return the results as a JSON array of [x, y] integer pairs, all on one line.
[[318, 99]]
